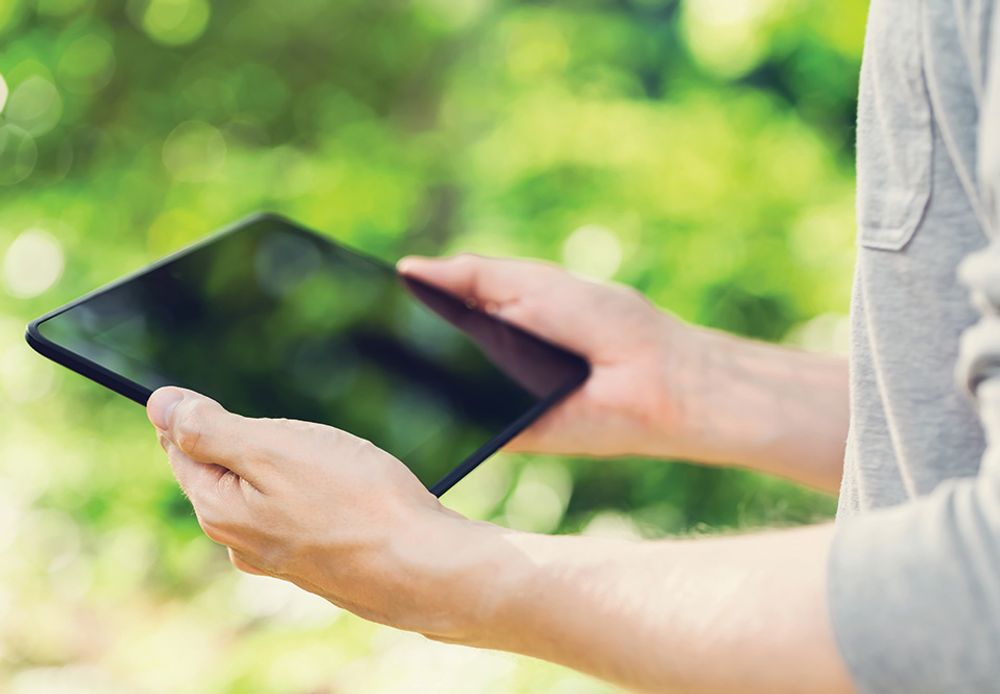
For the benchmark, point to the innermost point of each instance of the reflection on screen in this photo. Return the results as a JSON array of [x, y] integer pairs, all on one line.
[[275, 321]]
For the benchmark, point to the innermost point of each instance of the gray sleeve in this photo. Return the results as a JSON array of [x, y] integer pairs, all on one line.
[[914, 590]]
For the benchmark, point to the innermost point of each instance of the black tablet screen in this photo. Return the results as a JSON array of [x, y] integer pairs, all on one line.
[[275, 321]]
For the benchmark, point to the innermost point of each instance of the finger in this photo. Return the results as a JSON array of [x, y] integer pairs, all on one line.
[[197, 480], [535, 296], [202, 429], [216, 494], [485, 281], [243, 565]]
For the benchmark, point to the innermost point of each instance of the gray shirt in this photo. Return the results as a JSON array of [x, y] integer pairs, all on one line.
[[914, 575]]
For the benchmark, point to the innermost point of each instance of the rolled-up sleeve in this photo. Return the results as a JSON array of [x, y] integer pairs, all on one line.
[[915, 589]]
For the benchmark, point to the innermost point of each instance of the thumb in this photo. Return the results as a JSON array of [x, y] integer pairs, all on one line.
[[205, 432], [161, 405]]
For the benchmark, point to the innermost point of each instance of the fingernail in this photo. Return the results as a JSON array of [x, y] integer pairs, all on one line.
[[161, 404]]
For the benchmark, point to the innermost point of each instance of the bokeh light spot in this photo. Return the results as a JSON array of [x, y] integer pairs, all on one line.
[[3, 93], [612, 525], [727, 36], [828, 333], [194, 151], [483, 489], [18, 154], [175, 22], [87, 64], [593, 250], [32, 263], [539, 500], [35, 105], [726, 12]]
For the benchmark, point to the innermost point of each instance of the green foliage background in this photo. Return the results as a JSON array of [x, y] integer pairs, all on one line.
[[700, 151]]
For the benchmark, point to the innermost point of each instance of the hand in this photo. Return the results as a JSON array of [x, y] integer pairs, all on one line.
[[340, 518], [641, 358], [313, 505]]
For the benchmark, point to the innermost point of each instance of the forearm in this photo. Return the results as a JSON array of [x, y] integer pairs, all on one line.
[[766, 407], [731, 614]]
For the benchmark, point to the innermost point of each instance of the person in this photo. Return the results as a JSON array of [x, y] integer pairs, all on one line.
[[901, 594]]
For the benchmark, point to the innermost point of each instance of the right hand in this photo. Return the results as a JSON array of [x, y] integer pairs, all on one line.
[[640, 357]]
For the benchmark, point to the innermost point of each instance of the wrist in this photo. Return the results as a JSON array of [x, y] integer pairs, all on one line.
[[686, 363], [477, 581], [448, 569], [715, 403], [763, 406]]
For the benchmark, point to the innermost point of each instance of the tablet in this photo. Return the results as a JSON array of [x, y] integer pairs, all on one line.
[[274, 320]]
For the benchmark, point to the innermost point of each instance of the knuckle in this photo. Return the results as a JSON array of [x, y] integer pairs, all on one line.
[[348, 445], [291, 438], [188, 427], [528, 311], [366, 448], [228, 483], [638, 295], [629, 294], [296, 426], [643, 301]]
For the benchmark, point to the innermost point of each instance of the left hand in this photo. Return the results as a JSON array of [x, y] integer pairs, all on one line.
[[313, 505]]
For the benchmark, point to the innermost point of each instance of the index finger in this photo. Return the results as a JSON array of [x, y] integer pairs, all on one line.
[[469, 276]]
